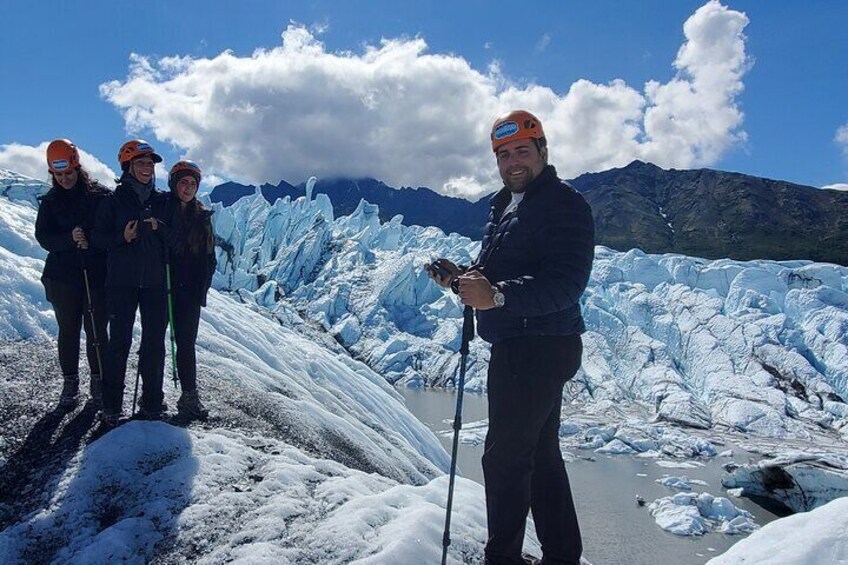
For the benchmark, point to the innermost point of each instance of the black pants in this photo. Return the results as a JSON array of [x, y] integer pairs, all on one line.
[[186, 323], [123, 303], [522, 462], [70, 304]]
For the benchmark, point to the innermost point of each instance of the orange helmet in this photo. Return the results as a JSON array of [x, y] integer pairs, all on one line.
[[62, 156], [518, 124], [187, 167], [136, 148]]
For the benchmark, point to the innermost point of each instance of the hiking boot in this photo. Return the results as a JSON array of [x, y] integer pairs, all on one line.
[[530, 559], [95, 389], [163, 406], [189, 406], [152, 414], [110, 420], [70, 392]]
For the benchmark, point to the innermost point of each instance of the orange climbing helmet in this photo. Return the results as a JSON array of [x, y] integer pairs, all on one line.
[[62, 156], [518, 124], [187, 167], [136, 148]]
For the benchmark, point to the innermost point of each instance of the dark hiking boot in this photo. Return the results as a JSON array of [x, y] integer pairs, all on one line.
[[189, 406], [163, 406], [70, 392], [95, 389], [152, 414], [110, 420], [530, 559]]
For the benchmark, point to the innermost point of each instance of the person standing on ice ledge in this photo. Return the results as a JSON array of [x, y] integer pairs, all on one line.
[[525, 285], [192, 267], [63, 227], [134, 227]]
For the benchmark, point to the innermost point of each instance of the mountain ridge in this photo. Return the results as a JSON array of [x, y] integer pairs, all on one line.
[[699, 212]]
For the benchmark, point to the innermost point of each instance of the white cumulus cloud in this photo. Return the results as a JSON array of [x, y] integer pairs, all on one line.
[[32, 161], [838, 186], [410, 117], [841, 139]]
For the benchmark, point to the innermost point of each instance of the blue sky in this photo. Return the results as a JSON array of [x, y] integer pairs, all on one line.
[[407, 94]]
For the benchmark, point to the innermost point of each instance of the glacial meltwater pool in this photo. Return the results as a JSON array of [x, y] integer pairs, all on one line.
[[615, 529]]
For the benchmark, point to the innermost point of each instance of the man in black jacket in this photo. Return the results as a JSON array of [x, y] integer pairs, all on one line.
[[526, 284], [137, 230]]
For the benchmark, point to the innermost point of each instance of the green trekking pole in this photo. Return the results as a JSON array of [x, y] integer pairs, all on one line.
[[137, 376], [171, 316]]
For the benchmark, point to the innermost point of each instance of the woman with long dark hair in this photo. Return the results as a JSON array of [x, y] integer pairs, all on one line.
[[192, 267], [74, 272]]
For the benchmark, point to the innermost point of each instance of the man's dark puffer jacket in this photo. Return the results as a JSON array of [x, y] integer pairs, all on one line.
[[540, 256], [140, 263]]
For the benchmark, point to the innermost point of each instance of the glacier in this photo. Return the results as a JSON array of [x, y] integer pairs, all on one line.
[[315, 456], [757, 347]]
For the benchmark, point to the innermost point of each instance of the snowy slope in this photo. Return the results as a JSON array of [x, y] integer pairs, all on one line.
[[346, 477], [819, 537]]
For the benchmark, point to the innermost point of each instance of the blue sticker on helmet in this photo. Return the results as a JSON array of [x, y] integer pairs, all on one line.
[[506, 129], [60, 164], [144, 147]]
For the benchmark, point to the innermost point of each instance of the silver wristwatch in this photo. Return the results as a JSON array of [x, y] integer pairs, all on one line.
[[499, 298]]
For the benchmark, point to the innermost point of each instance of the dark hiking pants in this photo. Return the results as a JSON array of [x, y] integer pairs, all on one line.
[[70, 304], [186, 323], [522, 462], [123, 303]]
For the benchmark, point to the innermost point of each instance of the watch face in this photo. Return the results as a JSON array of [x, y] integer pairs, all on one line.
[[499, 299]]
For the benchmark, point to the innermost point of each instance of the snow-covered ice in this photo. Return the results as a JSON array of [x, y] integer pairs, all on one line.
[[355, 477], [800, 481], [819, 537], [680, 483], [693, 514], [757, 347], [682, 355]]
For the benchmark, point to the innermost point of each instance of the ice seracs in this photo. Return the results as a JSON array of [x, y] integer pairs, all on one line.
[[753, 346]]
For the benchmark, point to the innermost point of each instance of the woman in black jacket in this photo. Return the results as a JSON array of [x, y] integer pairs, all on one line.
[[73, 272], [192, 267], [136, 229]]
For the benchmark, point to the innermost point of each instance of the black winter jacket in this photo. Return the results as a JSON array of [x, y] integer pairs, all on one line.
[[540, 257], [59, 212], [141, 262], [190, 271]]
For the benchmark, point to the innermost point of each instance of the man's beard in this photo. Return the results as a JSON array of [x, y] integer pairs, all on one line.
[[518, 184]]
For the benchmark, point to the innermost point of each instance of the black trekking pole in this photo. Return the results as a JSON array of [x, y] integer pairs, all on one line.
[[467, 336], [171, 314], [94, 335]]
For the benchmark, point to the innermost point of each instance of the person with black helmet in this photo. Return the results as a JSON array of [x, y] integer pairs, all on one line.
[[73, 270], [526, 284], [192, 267], [135, 228]]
